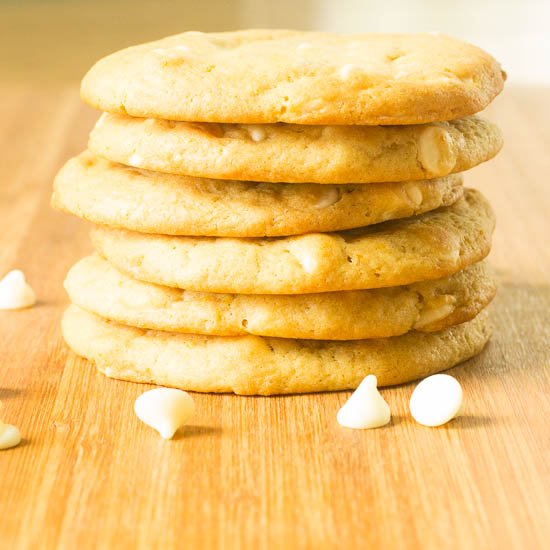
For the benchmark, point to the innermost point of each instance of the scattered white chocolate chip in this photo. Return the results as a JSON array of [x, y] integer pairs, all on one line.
[[257, 133], [346, 71], [135, 160], [9, 435], [435, 151], [164, 409], [328, 198], [365, 408], [436, 400], [15, 292]]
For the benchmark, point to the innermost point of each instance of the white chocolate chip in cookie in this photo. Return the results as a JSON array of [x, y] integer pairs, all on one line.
[[15, 292], [414, 194], [100, 120], [257, 133], [164, 409], [309, 263], [435, 312], [135, 160], [365, 408], [436, 400], [435, 151], [346, 71], [328, 198]]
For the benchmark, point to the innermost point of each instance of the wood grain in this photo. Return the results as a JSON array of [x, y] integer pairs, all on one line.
[[270, 472]]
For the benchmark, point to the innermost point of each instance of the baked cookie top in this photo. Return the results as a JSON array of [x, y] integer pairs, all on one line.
[[297, 153], [266, 76], [96, 286], [397, 252], [116, 195], [252, 365]]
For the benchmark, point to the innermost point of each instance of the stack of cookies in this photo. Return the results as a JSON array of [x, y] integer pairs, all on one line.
[[282, 211]]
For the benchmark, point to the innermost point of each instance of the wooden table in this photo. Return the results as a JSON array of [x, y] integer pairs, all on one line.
[[270, 472]]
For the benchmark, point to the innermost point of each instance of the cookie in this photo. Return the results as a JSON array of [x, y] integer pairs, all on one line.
[[267, 76], [251, 365], [297, 153], [118, 196], [96, 286], [398, 252]]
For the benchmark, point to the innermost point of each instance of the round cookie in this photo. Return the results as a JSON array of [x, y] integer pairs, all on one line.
[[398, 252], [267, 76], [297, 153], [112, 194], [96, 286], [251, 365]]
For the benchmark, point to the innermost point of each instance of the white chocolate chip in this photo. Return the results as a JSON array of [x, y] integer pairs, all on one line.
[[9, 436], [414, 194], [401, 74], [15, 292], [436, 400], [135, 160], [164, 409], [365, 408], [435, 151], [346, 71], [257, 133], [315, 105], [309, 263], [433, 314], [328, 198], [100, 120]]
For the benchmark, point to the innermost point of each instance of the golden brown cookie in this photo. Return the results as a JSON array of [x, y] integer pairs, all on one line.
[[297, 153], [429, 246], [266, 76], [252, 365], [96, 286], [112, 194]]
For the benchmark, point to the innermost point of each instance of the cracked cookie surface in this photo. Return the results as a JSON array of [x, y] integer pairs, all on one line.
[[96, 286], [297, 153], [267, 76], [394, 253], [254, 365], [119, 196]]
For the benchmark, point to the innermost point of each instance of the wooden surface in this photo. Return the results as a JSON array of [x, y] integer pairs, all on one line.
[[270, 472]]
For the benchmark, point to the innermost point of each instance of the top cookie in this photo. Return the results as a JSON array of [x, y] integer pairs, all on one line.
[[267, 76]]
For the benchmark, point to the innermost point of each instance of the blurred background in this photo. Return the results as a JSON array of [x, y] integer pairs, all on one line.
[[57, 40]]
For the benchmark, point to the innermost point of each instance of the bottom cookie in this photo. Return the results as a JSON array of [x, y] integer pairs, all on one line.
[[254, 365]]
